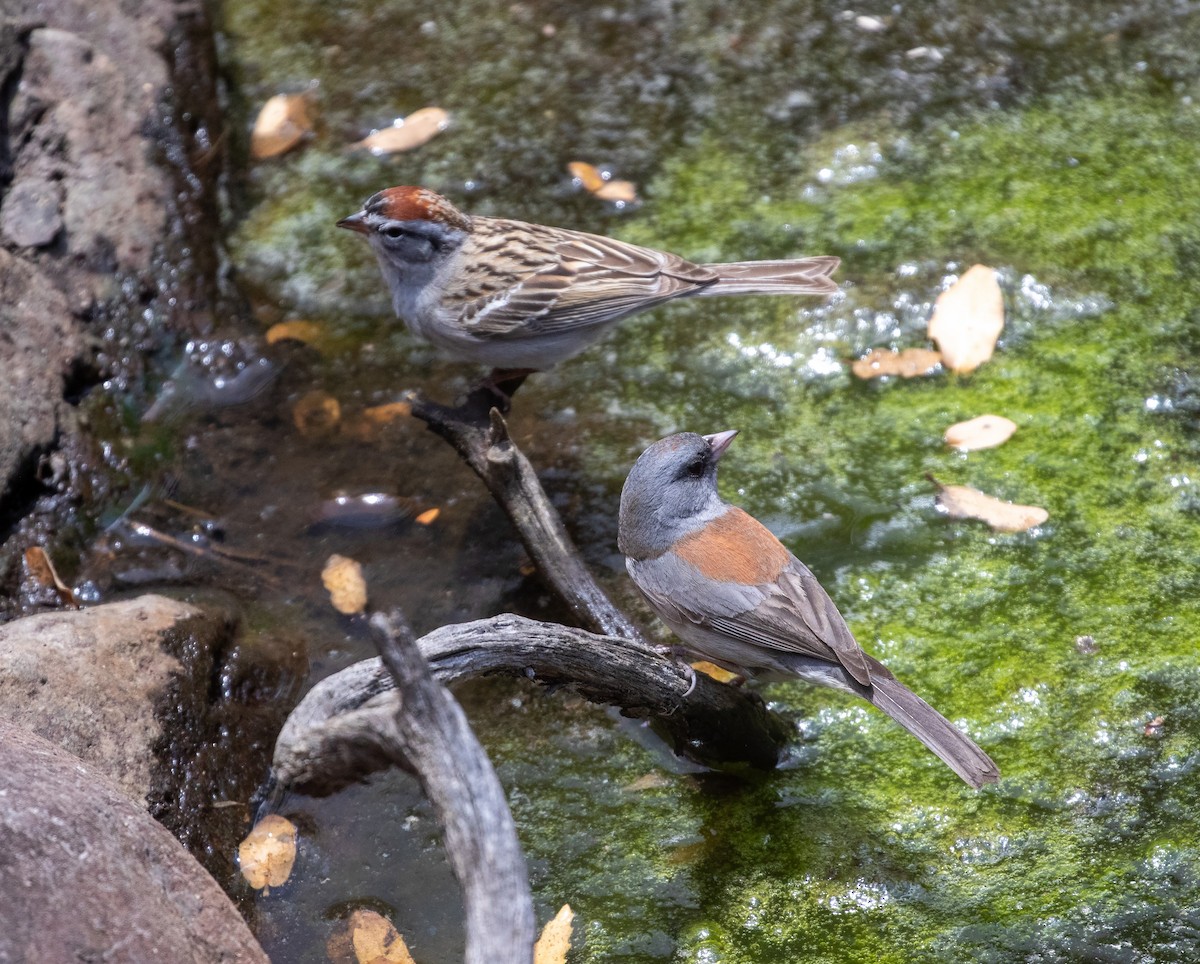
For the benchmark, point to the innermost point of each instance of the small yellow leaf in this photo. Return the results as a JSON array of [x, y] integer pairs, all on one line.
[[964, 502], [267, 854], [967, 319], [907, 364], [343, 579], [426, 517], [382, 414], [306, 332], [316, 412], [617, 191], [595, 183], [552, 946], [416, 129], [376, 940], [720, 674], [280, 126], [983, 432], [587, 174]]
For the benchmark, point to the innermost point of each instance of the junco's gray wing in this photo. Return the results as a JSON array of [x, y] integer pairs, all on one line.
[[577, 281], [790, 614]]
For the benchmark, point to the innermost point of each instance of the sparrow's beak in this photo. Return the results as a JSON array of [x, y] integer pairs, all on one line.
[[355, 223], [720, 442]]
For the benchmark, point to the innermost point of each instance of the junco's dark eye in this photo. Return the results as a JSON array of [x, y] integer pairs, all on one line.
[[695, 468]]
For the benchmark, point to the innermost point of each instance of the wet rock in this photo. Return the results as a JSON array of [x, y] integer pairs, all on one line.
[[101, 103], [88, 875], [30, 217], [92, 682], [38, 342], [82, 117]]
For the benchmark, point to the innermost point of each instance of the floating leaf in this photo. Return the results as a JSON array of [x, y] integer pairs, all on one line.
[[720, 674], [281, 125], [595, 183], [967, 319], [267, 854], [306, 332], [426, 517], [417, 128], [382, 414], [343, 578], [650, 781], [552, 946], [982, 432], [42, 569], [907, 364], [963, 502], [316, 412], [587, 174], [376, 940]]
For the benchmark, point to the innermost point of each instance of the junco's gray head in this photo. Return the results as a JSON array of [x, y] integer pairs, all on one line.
[[671, 491]]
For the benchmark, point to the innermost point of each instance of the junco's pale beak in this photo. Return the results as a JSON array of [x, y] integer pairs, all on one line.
[[355, 223], [719, 442]]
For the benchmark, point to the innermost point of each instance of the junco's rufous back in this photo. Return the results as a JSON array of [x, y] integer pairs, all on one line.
[[737, 597]]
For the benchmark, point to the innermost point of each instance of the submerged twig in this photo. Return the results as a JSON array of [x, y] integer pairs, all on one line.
[[331, 739], [479, 434], [430, 732]]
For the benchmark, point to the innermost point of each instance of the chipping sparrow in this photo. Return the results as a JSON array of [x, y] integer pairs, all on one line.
[[525, 296]]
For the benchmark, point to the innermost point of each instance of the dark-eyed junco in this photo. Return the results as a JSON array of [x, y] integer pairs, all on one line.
[[526, 296], [739, 598]]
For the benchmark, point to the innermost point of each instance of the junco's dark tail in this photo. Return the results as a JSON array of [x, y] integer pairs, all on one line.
[[953, 747], [800, 276]]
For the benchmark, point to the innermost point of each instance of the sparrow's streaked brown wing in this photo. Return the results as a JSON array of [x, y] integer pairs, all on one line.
[[574, 280]]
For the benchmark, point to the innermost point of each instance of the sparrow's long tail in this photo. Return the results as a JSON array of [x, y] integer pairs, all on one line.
[[802, 276], [953, 747]]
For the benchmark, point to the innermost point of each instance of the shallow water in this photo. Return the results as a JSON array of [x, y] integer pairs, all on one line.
[[1054, 142]]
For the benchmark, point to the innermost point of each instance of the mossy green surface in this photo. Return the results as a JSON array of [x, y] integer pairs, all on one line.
[[1080, 189], [870, 852]]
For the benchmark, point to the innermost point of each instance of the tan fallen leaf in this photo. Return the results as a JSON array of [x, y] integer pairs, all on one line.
[[964, 502], [306, 332], [552, 946], [428, 516], [281, 125], [316, 413], [718, 673], [42, 569], [376, 940], [596, 184], [587, 174], [368, 425], [982, 432], [909, 363], [650, 781], [267, 854], [418, 128], [967, 319], [343, 579], [382, 414]]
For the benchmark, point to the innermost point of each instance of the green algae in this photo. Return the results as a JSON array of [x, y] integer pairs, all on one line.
[[1084, 850]]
